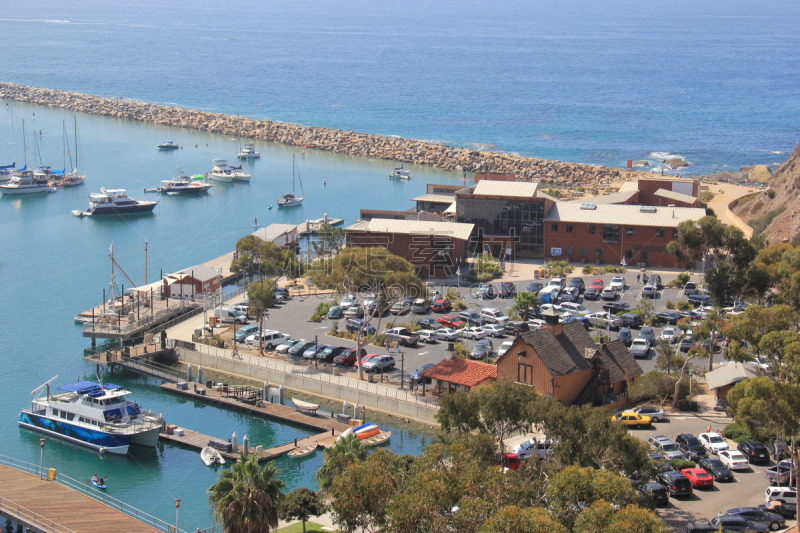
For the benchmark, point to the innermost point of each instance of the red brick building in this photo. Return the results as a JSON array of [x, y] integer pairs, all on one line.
[[605, 233]]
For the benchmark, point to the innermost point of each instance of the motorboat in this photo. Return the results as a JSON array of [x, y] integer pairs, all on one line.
[[248, 152], [290, 200], [376, 440], [226, 174], [182, 184], [115, 202], [95, 415], [168, 145], [23, 181], [210, 456], [400, 174]]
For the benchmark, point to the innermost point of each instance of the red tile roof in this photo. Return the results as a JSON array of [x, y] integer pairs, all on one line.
[[461, 372]]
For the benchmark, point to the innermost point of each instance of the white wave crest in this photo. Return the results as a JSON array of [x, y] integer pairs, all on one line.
[[664, 155], [37, 20]]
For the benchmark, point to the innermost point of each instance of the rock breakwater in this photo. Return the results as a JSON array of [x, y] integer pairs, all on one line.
[[344, 142]]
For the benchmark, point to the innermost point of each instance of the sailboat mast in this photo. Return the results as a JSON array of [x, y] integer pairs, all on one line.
[[76, 143], [293, 165], [24, 144], [64, 143]]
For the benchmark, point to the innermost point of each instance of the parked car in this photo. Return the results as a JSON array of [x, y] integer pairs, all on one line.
[[640, 348], [592, 294], [269, 339], [676, 483], [666, 447], [482, 349], [605, 319], [700, 527], [224, 314], [416, 377], [616, 307], [447, 334], [428, 336], [346, 358], [428, 323], [781, 494], [442, 306], [494, 330], [578, 284], [648, 334], [686, 342], [690, 288], [354, 311], [632, 419], [786, 510], [718, 471], [298, 349], [575, 309], [507, 290], [618, 283], [624, 335], [738, 524], [504, 348], [734, 460], [284, 348], [245, 331], [654, 413], [329, 353], [669, 335], [649, 291], [486, 291], [379, 363], [472, 318], [654, 492], [778, 475], [476, 333], [774, 520], [597, 284], [516, 327], [549, 295], [699, 299], [403, 336], [421, 306], [608, 294], [582, 319], [493, 315], [399, 308], [713, 442], [531, 447], [777, 449], [669, 317], [631, 320], [699, 477], [570, 294], [451, 321], [312, 352], [534, 287], [754, 451], [691, 446], [354, 324]]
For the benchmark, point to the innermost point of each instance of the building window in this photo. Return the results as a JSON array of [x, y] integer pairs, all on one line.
[[592, 230], [569, 228], [628, 254], [584, 252], [660, 233], [674, 234], [610, 233], [554, 228], [598, 253], [570, 249], [629, 232], [643, 254]]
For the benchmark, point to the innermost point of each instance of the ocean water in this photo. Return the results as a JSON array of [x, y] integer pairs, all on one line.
[[593, 82]]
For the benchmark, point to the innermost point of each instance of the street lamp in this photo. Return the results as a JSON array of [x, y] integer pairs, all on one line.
[[41, 458], [177, 508], [458, 273]]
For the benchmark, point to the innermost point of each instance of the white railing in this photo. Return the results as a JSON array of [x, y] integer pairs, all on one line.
[[25, 516], [86, 489], [314, 374], [123, 327], [176, 321]]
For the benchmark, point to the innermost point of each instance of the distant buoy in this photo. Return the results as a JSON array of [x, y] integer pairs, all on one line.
[[270, 206], [324, 182]]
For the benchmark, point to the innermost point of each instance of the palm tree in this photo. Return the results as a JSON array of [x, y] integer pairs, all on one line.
[[338, 457], [523, 301], [247, 498]]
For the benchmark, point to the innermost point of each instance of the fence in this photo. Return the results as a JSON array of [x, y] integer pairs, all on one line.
[[312, 373], [99, 496], [120, 327], [18, 513], [175, 321]]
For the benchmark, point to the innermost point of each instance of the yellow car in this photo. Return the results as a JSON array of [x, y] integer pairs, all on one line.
[[630, 418]]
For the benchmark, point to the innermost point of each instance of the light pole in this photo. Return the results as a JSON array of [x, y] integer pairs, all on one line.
[[177, 508], [458, 274], [624, 264], [41, 459]]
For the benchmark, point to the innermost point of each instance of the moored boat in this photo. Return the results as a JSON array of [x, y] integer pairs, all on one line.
[[248, 152], [227, 174], [24, 181], [115, 202], [210, 456], [290, 200], [182, 184], [367, 432], [381, 438], [297, 453], [400, 174], [168, 145]]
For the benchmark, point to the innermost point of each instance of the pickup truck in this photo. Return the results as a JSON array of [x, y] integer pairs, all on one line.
[[777, 475], [402, 336]]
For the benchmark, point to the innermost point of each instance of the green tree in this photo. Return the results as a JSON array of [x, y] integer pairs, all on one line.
[[247, 498], [523, 302], [646, 310], [512, 519], [338, 457], [301, 504], [330, 240], [261, 298], [255, 256], [653, 386], [668, 357], [603, 518]]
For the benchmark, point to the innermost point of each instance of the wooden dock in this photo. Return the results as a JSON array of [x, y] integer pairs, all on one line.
[[42, 505], [270, 410]]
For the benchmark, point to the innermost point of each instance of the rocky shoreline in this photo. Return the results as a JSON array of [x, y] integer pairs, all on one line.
[[344, 142]]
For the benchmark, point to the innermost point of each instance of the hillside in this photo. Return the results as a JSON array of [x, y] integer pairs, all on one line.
[[775, 211]]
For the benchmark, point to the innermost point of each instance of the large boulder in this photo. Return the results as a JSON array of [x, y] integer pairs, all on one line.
[[758, 173], [675, 162]]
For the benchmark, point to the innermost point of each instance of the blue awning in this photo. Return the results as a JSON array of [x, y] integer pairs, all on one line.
[[81, 387], [111, 386]]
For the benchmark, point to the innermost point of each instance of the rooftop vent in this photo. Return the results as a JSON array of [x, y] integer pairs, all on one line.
[[589, 206], [647, 209]]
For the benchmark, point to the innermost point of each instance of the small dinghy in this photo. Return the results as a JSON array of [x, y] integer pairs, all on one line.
[[346, 433], [380, 438], [367, 432], [210, 456], [300, 405], [99, 483], [297, 453]]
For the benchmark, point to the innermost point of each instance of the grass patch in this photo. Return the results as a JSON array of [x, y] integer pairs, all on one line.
[[760, 224], [311, 527]]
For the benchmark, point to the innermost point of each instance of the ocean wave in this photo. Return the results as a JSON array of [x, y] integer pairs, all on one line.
[[663, 155], [773, 152], [37, 20]]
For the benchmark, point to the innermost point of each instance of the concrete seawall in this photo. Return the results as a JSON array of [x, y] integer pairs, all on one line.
[[339, 141]]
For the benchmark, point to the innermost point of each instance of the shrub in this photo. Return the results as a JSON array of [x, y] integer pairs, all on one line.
[[558, 268], [588, 270], [685, 404], [459, 305], [670, 304], [680, 464], [683, 305], [315, 318], [380, 340], [334, 326], [484, 277], [683, 278], [770, 193], [461, 351], [735, 432]]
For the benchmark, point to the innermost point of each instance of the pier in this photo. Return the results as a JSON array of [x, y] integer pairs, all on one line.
[[65, 505]]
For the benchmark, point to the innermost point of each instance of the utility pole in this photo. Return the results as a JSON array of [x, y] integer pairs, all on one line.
[[316, 348]]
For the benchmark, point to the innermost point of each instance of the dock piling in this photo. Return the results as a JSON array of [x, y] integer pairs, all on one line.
[[234, 443], [199, 374], [245, 445], [189, 372]]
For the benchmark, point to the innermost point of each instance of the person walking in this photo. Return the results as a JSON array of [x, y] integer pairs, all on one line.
[[388, 346], [637, 277]]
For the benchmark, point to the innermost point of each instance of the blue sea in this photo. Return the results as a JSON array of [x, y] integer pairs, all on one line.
[[593, 82]]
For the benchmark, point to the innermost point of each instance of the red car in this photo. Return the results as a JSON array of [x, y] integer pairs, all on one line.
[[698, 477], [442, 306], [597, 284], [346, 358], [509, 460], [450, 321]]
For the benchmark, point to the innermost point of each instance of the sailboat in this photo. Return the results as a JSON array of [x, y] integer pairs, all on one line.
[[290, 200], [24, 181], [6, 171], [72, 178]]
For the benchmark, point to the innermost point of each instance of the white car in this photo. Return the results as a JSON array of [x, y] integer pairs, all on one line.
[[474, 333], [670, 335], [654, 413], [575, 309], [493, 315], [734, 460], [536, 323], [640, 348], [570, 294], [558, 283], [504, 348], [427, 335], [494, 330], [269, 338], [609, 293], [601, 319], [348, 301], [618, 283], [713, 442], [530, 447], [448, 334]]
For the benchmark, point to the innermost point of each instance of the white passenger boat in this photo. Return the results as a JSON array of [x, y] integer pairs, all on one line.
[[226, 174], [248, 152], [210, 456], [95, 415], [23, 181], [400, 174], [182, 184], [115, 202]]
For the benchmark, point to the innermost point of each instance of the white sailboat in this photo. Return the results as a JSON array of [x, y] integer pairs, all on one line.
[[72, 178], [25, 181], [7, 171], [290, 200]]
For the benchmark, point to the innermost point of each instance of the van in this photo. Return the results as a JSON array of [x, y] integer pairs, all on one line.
[[269, 339], [244, 332], [781, 494], [690, 288], [226, 314]]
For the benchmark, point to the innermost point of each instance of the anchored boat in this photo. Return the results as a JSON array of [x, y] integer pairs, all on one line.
[[115, 202]]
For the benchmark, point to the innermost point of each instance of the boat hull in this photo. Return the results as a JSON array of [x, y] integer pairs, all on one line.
[[187, 191], [10, 191], [221, 179], [114, 444], [148, 439], [144, 207]]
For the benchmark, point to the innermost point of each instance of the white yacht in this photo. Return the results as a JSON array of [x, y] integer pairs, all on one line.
[[24, 181], [290, 199], [92, 414], [115, 202], [183, 184], [226, 174], [400, 174], [248, 152]]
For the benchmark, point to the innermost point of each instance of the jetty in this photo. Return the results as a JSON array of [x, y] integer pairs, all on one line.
[[49, 501]]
